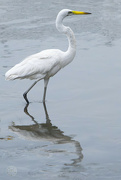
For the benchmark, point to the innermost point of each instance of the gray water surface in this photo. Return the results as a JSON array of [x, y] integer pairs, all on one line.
[[76, 135]]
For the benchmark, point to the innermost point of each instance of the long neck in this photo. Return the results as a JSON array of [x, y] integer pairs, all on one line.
[[70, 53]]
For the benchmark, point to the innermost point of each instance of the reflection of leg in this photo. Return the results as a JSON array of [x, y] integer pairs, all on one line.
[[28, 114], [25, 94], [78, 152], [45, 88], [46, 114], [78, 149]]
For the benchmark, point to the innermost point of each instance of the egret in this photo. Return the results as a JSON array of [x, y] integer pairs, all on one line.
[[47, 63]]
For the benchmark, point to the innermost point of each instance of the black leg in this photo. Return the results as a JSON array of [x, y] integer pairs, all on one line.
[[45, 89], [25, 94], [25, 97]]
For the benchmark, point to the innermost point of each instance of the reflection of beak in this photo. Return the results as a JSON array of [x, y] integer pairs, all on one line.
[[80, 13], [7, 138]]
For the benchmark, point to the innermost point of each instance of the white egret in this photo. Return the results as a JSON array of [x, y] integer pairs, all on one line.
[[47, 63]]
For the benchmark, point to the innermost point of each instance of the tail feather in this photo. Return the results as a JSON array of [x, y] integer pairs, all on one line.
[[13, 73], [10, 76]]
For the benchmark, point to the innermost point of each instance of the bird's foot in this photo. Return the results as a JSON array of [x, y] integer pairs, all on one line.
[[25, 97]]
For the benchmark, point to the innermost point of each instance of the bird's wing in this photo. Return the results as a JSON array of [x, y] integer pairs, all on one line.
[[35, 67]]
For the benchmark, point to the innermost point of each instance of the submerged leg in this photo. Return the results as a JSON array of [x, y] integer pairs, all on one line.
[[45, 88], [25, 94]]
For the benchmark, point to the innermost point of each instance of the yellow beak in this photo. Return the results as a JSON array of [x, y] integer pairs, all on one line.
[[79, 12]]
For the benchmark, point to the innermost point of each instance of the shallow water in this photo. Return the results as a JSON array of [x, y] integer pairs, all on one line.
[[77, 134]]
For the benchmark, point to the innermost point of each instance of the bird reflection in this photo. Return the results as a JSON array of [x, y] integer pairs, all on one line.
[[46, 131]]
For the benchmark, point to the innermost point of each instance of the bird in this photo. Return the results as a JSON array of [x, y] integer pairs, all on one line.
[[47, 63]]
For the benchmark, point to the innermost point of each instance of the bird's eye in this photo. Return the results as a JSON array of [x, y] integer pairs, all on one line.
[[70, 13]]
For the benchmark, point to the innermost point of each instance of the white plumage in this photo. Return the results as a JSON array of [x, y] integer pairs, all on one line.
[[37, 66], [47, 63]]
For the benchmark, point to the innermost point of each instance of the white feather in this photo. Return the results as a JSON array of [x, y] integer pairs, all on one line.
[[37, 66], [47, 63]]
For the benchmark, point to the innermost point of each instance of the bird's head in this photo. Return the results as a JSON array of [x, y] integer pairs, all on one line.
[[68, 12], [64, 13]]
